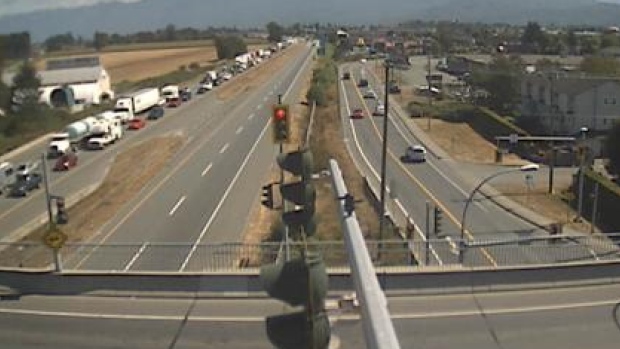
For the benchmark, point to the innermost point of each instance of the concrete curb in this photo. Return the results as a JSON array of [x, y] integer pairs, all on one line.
[[17, 151]]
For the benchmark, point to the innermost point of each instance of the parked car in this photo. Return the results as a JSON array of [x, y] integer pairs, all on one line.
[[25, 184], [357, 114], [156, 113], [136, 124], [415, 153], [66, 162]]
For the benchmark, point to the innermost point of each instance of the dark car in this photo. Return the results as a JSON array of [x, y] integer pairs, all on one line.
[[66, 162], [357, 114], [186, 95], [156, 113], [363, 83], [346, 76], [24, 184]]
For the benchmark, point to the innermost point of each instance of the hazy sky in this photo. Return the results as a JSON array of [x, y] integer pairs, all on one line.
[[20, 6]]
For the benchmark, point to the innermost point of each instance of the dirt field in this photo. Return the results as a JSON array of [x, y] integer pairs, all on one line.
[[138, 65]]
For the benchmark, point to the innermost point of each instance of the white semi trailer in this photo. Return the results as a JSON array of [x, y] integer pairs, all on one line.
[[138, 101]]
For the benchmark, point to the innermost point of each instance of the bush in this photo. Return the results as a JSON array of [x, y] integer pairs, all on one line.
[[194, 66]]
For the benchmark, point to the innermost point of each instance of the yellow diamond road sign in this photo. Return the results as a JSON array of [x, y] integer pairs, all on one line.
[[55, 239]]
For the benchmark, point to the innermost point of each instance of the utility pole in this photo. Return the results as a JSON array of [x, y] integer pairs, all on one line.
[[428, 82], [384, 158], [48, 198], [427, 234], [594, 208]]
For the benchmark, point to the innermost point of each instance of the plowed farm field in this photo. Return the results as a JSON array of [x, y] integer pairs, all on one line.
[[138, 65]]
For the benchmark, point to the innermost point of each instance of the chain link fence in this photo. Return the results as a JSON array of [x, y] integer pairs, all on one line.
[[226, 257]]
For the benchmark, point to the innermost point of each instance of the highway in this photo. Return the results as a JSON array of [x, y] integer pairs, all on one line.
[[439, 182], [204, 195], [567, 318]]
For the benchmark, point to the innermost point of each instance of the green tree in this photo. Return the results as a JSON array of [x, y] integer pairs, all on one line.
[[602, 66], [229, 46], [501, 81], [533, 38], [612, 145], [275, 32], [610, 40], [26, 89], [100, 40]]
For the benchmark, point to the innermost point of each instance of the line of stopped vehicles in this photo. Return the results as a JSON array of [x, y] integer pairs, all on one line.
[[131, 112]]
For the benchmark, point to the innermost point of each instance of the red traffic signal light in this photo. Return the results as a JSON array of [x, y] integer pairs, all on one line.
[[280, 121]]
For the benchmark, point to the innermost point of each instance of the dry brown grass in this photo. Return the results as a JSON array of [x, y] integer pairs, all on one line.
[[257, 76], [130, 172]]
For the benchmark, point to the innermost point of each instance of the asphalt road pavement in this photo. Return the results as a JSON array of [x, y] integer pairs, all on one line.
[[207, 192], [573, 317], [437, 182]]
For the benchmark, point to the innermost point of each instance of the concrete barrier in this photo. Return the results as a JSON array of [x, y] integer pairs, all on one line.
[[394, 281]]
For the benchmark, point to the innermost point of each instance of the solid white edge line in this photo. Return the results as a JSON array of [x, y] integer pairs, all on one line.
[[359, 148], [447, 314], [224, 197], [236, 177], [176, 206], [207, 169], [239, 130]]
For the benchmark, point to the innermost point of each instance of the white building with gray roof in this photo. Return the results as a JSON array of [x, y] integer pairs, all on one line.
[[80, 80]]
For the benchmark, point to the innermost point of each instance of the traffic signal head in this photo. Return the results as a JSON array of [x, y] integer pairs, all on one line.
[[267, 196], [438, 220], [298, 163], [281, 123]]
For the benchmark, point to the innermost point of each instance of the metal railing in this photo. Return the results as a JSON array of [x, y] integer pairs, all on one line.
[[437, 253]]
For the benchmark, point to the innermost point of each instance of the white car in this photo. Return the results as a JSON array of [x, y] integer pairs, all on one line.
[[26, 168], [379, 110], [370, 94], [415, 153]]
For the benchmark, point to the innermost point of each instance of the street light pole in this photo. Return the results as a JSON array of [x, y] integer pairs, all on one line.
[[583, 131], [384, 157], [524, 168]]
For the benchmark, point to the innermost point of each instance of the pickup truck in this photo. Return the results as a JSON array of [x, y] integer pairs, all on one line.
[[25, 184], [100, 142]]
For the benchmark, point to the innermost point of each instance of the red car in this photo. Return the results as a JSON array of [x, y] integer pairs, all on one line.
[[357, 114], [66, 162], [136, 124]]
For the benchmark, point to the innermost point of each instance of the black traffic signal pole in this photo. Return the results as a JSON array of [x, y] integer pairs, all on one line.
[[286, 240]]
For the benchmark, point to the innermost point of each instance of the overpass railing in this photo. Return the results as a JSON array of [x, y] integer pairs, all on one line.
[[435, 253]]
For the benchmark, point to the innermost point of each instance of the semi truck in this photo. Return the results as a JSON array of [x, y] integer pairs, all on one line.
[[172, 93], [138, 101], [63, 142], [123, 115], [104, 133]]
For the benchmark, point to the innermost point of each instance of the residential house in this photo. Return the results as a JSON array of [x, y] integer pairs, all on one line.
[[564, 103]]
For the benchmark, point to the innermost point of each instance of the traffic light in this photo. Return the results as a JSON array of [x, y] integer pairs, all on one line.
[[300, 281], [61, 212], [267, 196], [438, 220], [301, 193], [281, 124]]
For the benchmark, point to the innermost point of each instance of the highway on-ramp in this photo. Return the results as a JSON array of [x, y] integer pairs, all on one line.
[[441, 184]]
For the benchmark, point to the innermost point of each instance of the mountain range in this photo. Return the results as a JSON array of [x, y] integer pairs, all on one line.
[[122, 18]]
